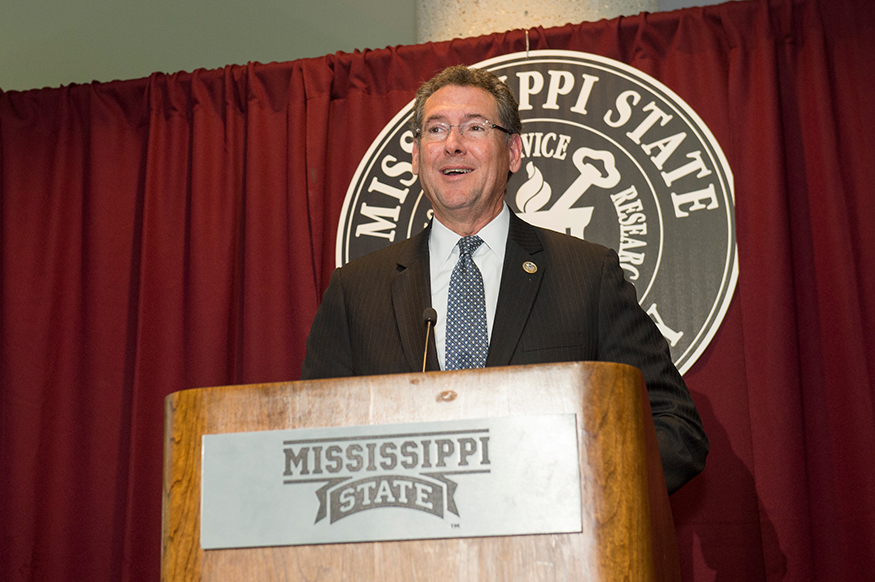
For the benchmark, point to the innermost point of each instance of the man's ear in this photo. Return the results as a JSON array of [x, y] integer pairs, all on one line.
[[415, 160], [515, 152]]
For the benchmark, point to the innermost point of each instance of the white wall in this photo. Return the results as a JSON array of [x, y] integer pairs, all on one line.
[[57, 42], [666, 5]]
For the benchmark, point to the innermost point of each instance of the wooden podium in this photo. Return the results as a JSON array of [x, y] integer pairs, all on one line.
[[627, 526]]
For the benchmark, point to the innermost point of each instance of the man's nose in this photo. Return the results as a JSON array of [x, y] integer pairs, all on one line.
[[455, 141]]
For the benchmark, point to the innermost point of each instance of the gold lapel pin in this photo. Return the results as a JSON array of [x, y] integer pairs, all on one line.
[[530, 267]]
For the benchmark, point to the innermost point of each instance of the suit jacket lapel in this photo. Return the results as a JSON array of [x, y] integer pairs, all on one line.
[[411, 294], [517, 292]]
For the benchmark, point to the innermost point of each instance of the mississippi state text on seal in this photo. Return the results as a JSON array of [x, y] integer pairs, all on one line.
[[609, 155]]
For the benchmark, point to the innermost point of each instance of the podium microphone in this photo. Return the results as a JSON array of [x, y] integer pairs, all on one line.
[[430, 318]]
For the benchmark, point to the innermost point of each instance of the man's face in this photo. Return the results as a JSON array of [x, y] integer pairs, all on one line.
[[464, 179]]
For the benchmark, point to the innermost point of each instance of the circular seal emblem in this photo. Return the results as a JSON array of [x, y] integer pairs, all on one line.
[[610, 155]]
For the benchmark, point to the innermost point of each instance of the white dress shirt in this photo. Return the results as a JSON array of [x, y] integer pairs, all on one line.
[[443, 252]]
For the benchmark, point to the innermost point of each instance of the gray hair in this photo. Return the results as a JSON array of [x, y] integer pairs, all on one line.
[[462, 76]]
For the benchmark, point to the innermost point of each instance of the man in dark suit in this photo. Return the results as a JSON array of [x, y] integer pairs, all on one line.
[[543, 296]]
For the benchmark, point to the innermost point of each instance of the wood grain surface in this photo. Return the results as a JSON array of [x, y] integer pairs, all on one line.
[[627, 530]]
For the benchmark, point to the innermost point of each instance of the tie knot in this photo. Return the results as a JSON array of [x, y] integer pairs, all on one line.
[[469, 244]]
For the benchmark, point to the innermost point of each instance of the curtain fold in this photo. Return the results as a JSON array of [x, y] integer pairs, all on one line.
[[175, 232]]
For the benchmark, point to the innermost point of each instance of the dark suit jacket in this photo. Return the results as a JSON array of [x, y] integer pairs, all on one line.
[[577, 306]]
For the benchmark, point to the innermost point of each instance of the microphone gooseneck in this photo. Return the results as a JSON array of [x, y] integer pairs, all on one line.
[[430, 318]]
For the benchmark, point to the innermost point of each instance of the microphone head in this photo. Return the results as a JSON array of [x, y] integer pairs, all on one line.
[[429, 315]]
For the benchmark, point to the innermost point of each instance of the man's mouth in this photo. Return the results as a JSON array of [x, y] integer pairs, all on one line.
[[456, 171]]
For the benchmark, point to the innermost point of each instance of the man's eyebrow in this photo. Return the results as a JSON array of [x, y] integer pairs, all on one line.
[[441, 117]]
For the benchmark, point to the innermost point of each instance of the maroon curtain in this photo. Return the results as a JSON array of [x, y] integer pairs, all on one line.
[[177, 232]]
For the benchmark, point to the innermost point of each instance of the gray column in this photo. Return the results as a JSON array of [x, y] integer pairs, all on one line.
[[438, 20]]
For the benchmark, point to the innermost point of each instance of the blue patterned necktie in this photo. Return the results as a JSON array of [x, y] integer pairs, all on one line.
[[467, 339]]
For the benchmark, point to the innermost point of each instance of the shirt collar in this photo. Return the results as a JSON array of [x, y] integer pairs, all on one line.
[[443, 241]]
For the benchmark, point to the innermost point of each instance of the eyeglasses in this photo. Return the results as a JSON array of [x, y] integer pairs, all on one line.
[[473, 129]]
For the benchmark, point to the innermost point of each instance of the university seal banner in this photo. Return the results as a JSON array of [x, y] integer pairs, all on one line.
[[609, 155]]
